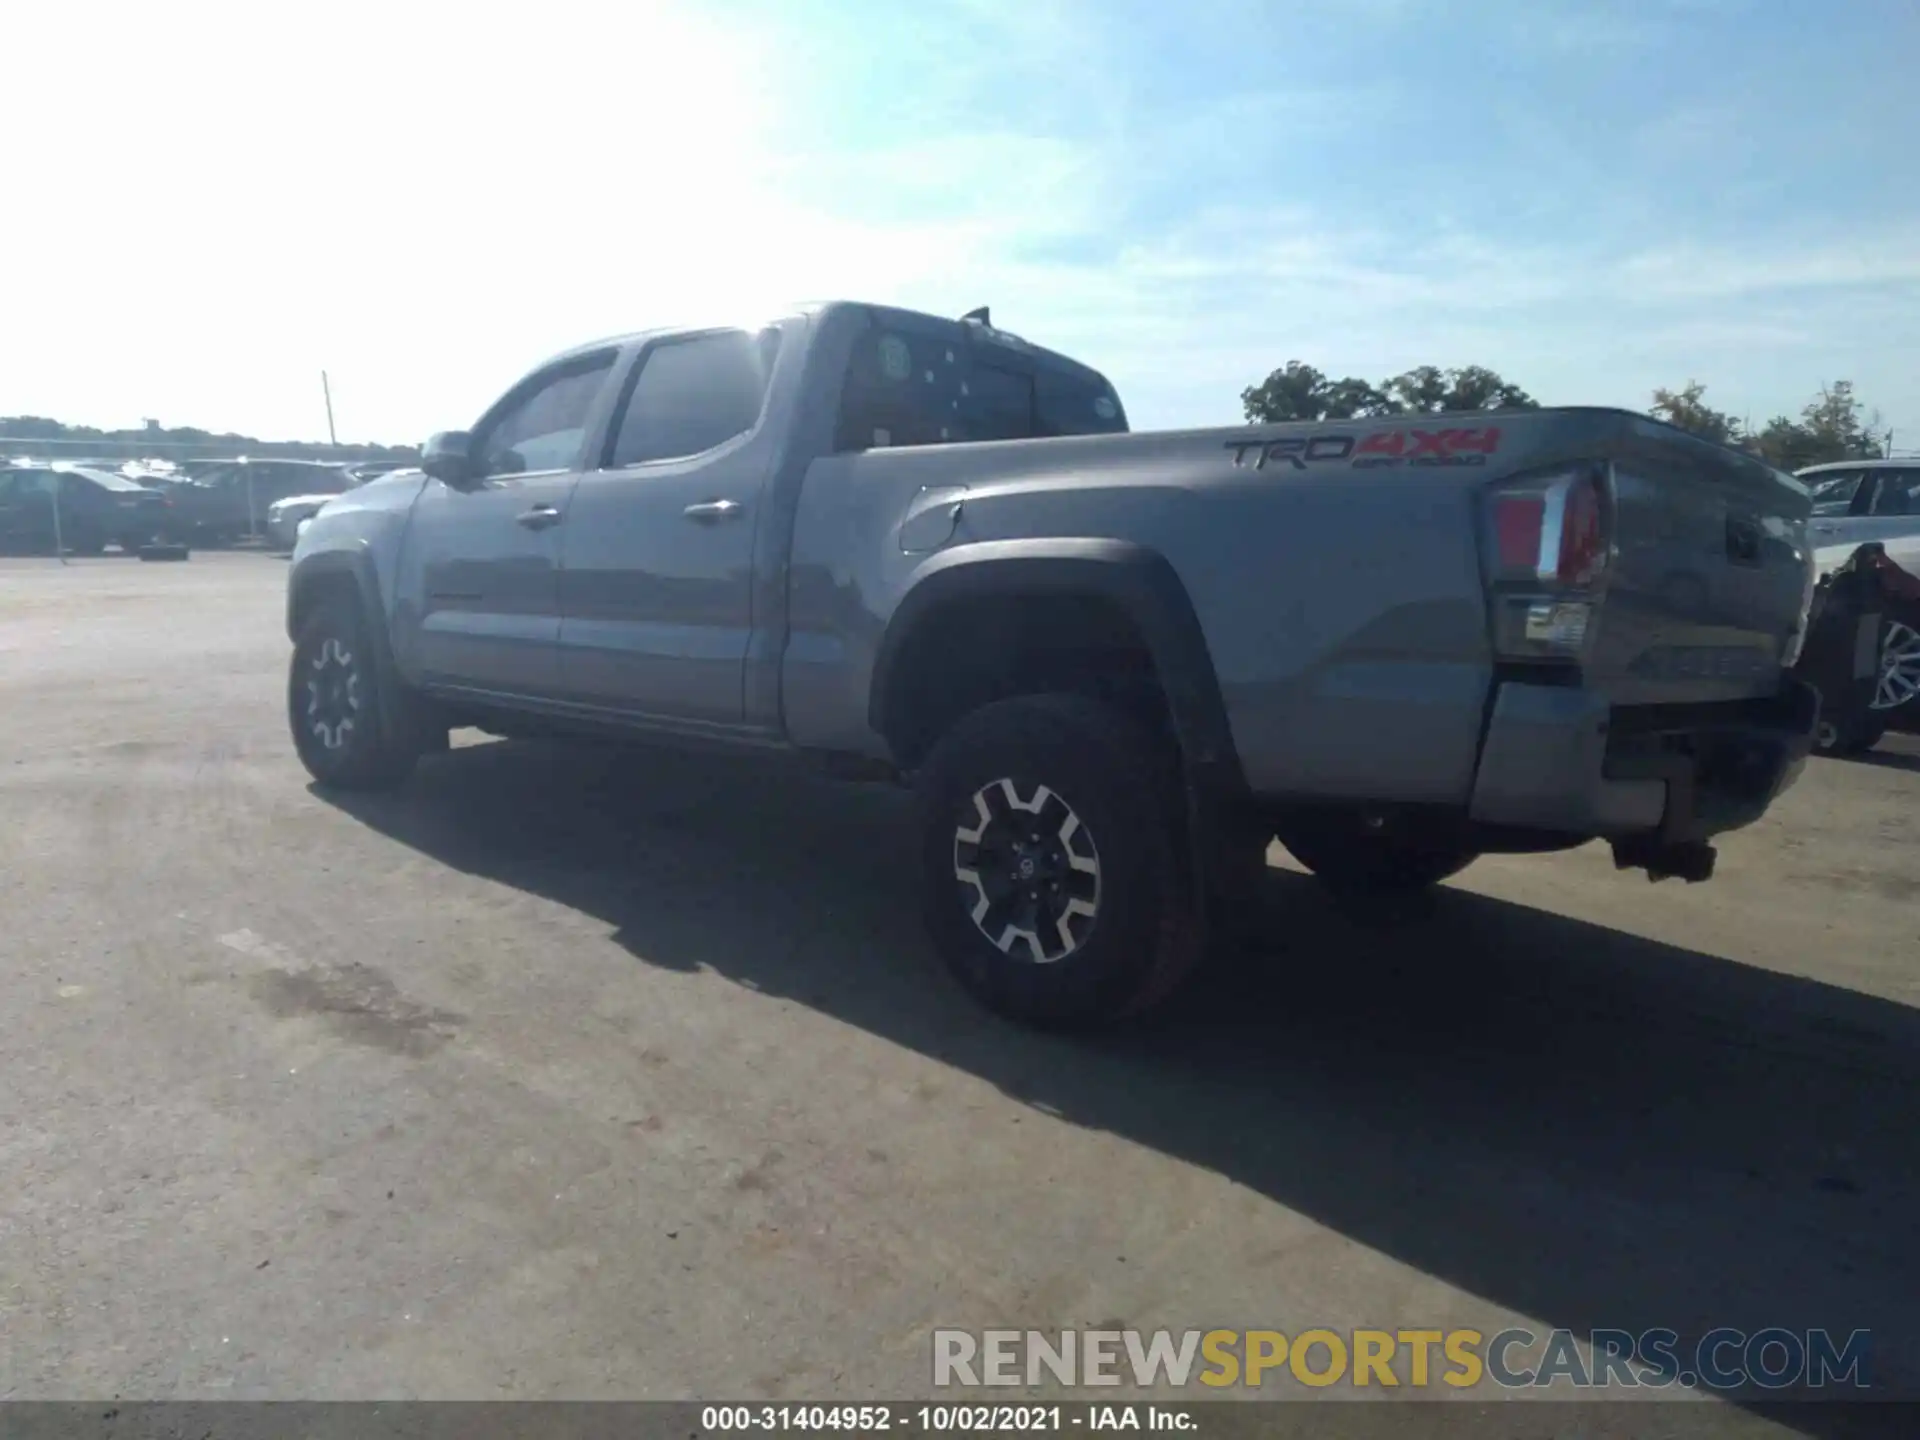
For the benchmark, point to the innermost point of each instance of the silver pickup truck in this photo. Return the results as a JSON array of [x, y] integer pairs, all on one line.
[[1115, 666]]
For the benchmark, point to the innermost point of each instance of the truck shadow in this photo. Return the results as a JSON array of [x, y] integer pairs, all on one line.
[[1907, 757], [1581, 1125]]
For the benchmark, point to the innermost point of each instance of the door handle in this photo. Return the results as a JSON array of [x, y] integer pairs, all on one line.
[[714, 510], [539, 517]]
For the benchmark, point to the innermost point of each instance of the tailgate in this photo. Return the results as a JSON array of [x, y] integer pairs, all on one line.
[[1709, 576]]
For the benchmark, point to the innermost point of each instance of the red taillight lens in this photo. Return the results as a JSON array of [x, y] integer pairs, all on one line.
[[1551, 530], [1516, 527]]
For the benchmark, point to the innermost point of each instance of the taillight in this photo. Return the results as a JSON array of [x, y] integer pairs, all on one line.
[[1548, 543], [1517, 521]]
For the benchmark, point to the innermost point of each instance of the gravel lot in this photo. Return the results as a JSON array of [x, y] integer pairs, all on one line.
[[568, 1073]]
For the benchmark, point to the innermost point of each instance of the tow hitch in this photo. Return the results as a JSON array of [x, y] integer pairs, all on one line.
[[1688, 860]]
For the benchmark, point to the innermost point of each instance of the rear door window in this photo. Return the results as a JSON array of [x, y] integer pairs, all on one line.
[[694, 395], [1897, 492]]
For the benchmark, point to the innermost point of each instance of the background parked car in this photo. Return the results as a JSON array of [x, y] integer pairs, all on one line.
[[1855, 501], [98, 508], [228, 500], [285, 518]]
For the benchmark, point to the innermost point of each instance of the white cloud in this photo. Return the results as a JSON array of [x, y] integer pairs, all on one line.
[[1867, 253]]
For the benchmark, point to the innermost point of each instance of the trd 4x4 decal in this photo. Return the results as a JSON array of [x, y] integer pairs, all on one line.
[[1383, 448]]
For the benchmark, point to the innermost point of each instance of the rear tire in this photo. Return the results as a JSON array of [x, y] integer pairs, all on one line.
[[1352, 861], [1897, 695], [1052, 878], [343, 724], [1852, 737]]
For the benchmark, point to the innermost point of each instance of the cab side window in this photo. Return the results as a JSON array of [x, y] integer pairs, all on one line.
[[544, 426]]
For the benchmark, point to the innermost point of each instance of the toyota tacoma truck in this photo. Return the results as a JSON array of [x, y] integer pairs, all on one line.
[[1113, 666]]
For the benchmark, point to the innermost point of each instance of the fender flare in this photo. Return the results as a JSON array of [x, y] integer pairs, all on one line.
[[1140, 581], [323, 568]]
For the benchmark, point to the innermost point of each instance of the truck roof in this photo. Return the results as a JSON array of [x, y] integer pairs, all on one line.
[[881, 315], [1827, 467]]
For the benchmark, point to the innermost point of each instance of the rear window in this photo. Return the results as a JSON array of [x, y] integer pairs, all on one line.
[[1075, 404], [930, 389]]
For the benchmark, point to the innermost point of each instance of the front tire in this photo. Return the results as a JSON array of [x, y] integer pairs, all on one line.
[[1353, 861], [1052, 879], [336, 710]]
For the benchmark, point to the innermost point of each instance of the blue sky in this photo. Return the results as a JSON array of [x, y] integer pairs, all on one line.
[[1593, 199]]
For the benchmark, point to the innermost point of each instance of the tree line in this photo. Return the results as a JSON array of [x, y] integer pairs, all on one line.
[[44, 439], [1833, 425]]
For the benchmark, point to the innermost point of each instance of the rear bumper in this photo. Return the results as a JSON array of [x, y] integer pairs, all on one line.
[[1563, 759]]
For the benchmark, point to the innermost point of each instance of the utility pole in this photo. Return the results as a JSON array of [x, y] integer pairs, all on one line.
[[327, 391], [59, 540]]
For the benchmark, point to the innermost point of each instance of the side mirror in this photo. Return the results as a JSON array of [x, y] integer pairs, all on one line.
[[447, 458]]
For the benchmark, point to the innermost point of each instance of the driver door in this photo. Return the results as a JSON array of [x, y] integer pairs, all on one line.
[[488, 555]]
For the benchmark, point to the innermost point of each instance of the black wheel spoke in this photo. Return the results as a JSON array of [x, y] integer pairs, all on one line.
[[333, 694]]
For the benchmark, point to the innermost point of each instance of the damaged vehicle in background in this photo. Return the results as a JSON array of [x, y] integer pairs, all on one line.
[[1113, 666], [1856, 502]]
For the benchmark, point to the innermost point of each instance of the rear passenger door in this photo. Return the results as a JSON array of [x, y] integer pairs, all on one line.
[[656, 578]]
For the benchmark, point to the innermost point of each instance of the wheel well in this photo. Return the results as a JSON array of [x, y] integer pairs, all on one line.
[[313, 592], [971, 652]]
